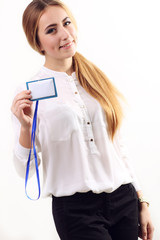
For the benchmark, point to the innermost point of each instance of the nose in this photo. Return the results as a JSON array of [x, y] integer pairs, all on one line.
[[63, 32]]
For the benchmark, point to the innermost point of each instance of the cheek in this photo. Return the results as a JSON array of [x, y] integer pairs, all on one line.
[[42, 42], [48, 43], [73, 32]]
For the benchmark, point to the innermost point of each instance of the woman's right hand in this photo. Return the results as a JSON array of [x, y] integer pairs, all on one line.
[[22, 108]]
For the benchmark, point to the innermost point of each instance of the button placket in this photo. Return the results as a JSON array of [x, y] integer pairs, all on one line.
[[87, 127]]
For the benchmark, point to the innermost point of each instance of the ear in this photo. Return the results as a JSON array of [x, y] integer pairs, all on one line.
[[40, 47], [42, 51]]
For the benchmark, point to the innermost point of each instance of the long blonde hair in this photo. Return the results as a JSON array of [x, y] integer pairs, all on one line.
[[92, 79]]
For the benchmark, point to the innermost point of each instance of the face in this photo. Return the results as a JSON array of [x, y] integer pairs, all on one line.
[[57, 34]]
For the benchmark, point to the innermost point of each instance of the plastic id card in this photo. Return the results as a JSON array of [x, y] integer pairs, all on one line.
[[42, 88]]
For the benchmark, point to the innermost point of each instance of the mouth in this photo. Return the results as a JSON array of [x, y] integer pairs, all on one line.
[[67, 45]]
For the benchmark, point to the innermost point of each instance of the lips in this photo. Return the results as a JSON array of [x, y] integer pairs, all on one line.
[[66, 45]]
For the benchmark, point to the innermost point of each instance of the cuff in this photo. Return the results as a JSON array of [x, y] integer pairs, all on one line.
[[137, 185], [21, 152]]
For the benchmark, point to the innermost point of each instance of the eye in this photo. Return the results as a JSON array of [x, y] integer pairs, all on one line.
[[51, 30], [67, 23]]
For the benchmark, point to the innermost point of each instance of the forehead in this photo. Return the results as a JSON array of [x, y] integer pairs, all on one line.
[[52, 14]]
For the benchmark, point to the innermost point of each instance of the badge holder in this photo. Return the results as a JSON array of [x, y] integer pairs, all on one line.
[[40, 89]]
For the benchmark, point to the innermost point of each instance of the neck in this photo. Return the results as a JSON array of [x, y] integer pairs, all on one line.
[[60, 66]]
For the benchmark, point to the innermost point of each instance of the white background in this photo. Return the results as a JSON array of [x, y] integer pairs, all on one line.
[[123, 39]]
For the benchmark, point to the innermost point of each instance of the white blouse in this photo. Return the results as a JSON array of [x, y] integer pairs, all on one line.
[[77, 154]]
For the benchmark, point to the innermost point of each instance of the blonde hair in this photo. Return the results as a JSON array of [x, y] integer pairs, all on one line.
[[92, 79]]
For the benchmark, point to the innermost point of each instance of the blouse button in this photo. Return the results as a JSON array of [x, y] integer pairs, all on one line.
[[70, 79], [76, 92], [88, 123], [91, 139]]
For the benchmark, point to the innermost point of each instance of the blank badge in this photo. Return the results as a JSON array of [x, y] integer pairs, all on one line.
[[42, 88]]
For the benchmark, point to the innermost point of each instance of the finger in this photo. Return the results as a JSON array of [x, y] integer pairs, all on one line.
[[150, 231], [21, 108], [16, 103], [22, 95], [144, 232], [24, 101], [21, 115], [23, 105], [19, 105]]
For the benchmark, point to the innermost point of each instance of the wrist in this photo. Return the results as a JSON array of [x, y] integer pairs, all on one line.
[[25, 136], [26, 129], [143, 202]]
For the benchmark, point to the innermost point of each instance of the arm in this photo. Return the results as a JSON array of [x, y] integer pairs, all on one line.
[[22, 117], [21, 108], [122, 151], [146, 227], [25, 137]]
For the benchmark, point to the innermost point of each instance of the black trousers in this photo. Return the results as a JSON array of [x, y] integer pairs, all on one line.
[[104, 216]]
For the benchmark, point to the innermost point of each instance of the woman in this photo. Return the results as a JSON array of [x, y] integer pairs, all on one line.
[[95, 192]]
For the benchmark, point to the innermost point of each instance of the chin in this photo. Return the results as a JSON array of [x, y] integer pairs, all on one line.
[[70, 54]]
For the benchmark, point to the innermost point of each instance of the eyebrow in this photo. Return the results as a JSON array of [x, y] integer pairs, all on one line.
[[55, 24]]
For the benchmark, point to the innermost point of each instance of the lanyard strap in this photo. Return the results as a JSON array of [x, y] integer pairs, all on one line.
[[34, 125]]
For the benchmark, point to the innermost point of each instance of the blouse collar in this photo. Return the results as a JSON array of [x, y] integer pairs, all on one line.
[[59, 74]]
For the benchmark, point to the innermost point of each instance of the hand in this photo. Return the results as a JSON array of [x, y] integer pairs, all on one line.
[[146, 227], [22, 108]]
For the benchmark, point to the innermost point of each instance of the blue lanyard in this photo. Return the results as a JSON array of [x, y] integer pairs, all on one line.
[[34, 125]]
